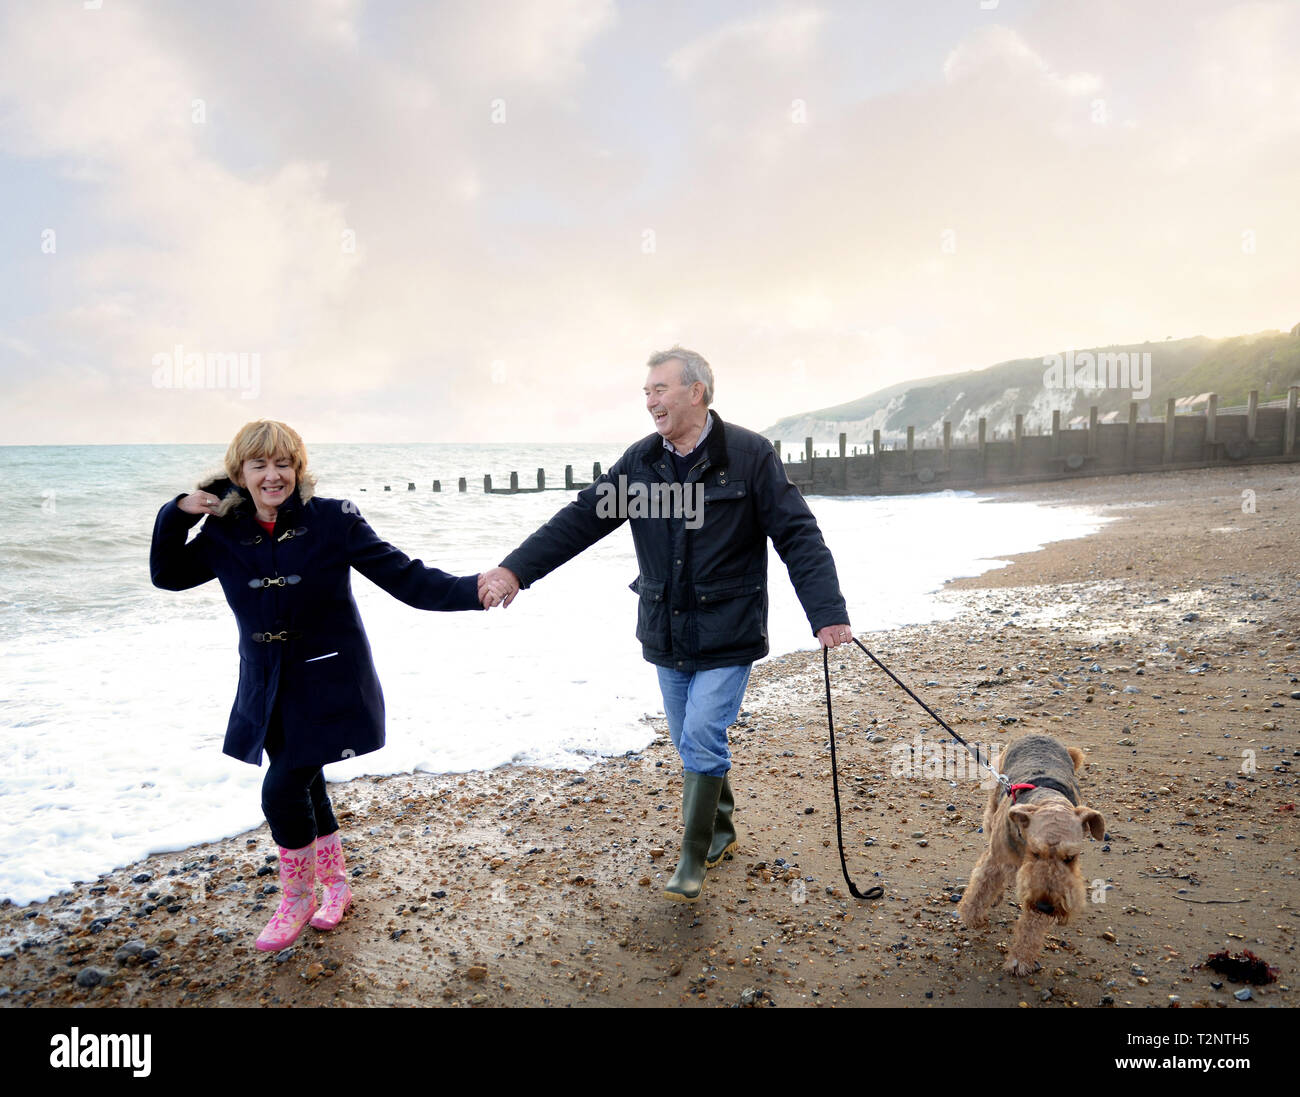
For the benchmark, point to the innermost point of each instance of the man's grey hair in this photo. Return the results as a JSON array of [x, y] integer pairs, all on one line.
[[694, 368]]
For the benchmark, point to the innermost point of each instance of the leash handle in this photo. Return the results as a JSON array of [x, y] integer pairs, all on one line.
[[876, 892]]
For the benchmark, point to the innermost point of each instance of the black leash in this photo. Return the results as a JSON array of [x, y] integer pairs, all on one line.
[[878, 892]]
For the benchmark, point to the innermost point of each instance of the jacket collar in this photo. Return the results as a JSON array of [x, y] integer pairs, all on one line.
[[715, 445], [237, 501]]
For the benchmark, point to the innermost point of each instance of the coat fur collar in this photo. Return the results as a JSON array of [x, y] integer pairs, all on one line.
[[233, 497]]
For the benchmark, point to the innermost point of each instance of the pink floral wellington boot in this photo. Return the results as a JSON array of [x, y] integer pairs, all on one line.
[[332, 873], [297, 899]]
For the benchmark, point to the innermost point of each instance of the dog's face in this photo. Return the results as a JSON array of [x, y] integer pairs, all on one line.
[[1049, 879]]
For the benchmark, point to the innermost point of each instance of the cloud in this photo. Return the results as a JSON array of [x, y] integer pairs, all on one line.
[[1001, 54], [409, 266]]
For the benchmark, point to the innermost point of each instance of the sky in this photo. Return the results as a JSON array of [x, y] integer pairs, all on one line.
[[458, 221]]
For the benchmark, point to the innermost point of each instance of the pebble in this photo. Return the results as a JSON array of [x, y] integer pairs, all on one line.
[[89, 977], [1243, 995]]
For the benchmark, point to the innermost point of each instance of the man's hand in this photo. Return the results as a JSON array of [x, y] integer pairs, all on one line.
[[497, 586], [833, 635]]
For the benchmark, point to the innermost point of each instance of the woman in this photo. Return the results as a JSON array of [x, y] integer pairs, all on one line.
[[308, 694]]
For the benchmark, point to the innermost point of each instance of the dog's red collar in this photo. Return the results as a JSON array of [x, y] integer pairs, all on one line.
[[1013, 789]]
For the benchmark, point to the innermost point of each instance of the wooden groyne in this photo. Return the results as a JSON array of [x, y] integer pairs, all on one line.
[[570, 484], [1250, 435]]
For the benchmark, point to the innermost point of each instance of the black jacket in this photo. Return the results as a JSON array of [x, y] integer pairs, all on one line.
[[295, 583], [703, 592]]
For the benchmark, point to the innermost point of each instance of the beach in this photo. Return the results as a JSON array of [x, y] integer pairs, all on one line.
[[1163, 645]]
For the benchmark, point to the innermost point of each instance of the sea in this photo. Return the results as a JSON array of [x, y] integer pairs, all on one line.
[[114, 695]]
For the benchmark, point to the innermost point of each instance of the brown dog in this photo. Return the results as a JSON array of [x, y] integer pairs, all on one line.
[[1037, 835]]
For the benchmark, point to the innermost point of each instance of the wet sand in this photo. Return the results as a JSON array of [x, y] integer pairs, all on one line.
[[1163, 646]]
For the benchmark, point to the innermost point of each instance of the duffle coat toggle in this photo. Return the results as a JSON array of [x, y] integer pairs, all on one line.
[[278, 581]]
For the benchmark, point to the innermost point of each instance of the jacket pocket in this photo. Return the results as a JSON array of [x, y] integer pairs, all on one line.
[[326, 688], [730, 614], [724, 490], [652, 613], [250, 696]]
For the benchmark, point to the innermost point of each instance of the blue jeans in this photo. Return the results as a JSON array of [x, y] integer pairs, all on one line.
[[700, 707]]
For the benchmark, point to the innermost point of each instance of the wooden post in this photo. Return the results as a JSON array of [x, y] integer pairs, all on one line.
[[514, 481], [568, 477], [410, 485], [983, 444], [595, 472], [1092, 431], [875, 457], [387, 487], [1252, 413], [1020, 437], [437, 485], [1169, 432], [844, 441], [1130, 439], [461, 485], [1056, 433], [947, 446], [777, 446], [1211, 423], [911, 456], [487, 485], [807, 449], [1288, 446]]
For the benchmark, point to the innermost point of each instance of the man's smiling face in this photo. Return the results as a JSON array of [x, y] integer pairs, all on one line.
[[677, 409]]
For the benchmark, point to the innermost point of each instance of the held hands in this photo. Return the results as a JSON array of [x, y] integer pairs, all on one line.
[[833, 635], [497, 587]]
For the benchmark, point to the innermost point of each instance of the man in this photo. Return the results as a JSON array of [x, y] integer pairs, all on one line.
[[702, 618]]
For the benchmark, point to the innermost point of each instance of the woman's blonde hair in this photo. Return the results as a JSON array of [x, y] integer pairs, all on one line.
[[267, 438]]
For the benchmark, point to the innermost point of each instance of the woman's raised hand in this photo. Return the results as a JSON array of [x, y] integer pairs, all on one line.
[[199, 502]]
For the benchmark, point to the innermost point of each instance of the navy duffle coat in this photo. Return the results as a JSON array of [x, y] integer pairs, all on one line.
[[302, 647]]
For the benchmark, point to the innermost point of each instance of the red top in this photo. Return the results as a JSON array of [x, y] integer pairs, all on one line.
[[268, 526]]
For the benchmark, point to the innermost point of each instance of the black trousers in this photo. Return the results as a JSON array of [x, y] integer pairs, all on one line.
[[293, 799]]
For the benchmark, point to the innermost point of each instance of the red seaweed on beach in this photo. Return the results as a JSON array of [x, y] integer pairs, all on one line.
[[1240, 967]]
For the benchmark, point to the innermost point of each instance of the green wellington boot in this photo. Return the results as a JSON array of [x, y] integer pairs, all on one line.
[[724, 830], [699, 808]]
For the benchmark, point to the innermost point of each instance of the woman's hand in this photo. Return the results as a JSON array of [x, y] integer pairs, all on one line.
[[497, 587], [199, 502]]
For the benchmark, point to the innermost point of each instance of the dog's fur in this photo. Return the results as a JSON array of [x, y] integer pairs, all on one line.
[[1038, 839]]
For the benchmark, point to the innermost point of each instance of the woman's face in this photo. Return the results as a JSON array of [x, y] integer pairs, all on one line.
[[269, 481]]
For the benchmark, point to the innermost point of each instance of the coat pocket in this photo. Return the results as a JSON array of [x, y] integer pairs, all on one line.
[[730, 614], [250, 696], [326, 689], [652, 613], [724, 490]]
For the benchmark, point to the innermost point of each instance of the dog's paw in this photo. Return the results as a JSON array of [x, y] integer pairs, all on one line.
[[1015, 966], [972, 919]]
